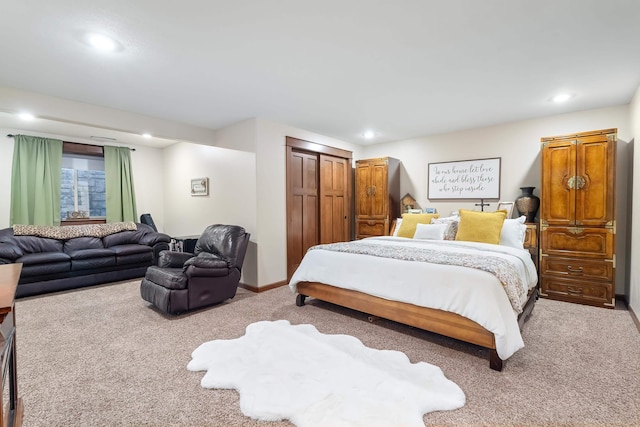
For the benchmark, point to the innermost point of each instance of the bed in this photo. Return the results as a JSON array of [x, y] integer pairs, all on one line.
[[476, 292]]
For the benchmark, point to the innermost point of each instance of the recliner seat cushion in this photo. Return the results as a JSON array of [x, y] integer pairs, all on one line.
[[170, 278]]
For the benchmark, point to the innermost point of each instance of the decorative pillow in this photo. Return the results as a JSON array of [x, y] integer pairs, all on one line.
[[410, 221], [513, 232], [483, 227], [452, 226], [430, 231], [395, 230]]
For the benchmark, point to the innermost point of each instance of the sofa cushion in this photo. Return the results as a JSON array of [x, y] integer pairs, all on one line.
[[85, 259], [43, 258], [79, 243], [91, 253], [31, 267], [170, 278], [33, 244], [92, 263], [132, 254]]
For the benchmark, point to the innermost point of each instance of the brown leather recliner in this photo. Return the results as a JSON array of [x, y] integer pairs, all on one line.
[[183, 281]]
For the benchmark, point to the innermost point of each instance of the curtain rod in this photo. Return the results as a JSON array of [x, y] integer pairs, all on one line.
[[10, 135]]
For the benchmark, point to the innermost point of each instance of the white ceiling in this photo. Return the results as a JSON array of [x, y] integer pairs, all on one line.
[[405, 68]]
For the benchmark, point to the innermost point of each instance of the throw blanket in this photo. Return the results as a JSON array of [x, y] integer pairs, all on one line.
[[73, 231], [502, 269]]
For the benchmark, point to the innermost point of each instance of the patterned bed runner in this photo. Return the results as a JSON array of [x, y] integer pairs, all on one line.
[[504, 271]]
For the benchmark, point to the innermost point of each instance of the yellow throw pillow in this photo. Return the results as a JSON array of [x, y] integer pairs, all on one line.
[[411, 221], [483, 227]]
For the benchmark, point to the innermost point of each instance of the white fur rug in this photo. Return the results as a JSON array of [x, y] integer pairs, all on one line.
[[294, 372]]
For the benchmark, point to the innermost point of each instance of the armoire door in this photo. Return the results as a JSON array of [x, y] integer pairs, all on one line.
[[595, 181], [558, 195], [379, 193]]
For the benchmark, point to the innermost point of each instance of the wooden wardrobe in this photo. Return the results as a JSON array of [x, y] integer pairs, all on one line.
[[577, 218], [319, 194], [377, 195]]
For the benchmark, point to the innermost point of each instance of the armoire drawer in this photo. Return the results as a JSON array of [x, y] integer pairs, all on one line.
[[367, 228], [577, 268], [577, 242], [581, 291]]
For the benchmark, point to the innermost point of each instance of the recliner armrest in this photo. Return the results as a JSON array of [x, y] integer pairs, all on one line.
[[172, 259], [207, 260]]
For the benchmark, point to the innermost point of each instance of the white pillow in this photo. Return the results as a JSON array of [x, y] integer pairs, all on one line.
[[395, 230], [430, 231], [513, 232], [452, 226]]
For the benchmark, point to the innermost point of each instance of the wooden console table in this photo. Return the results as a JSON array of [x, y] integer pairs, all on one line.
[[10, 411]]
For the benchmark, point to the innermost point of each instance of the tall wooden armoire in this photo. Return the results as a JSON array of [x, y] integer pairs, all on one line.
[[577, 218], [377, 195]]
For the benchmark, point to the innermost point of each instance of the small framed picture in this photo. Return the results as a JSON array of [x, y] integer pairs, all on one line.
[[200, 186], [506, 206]]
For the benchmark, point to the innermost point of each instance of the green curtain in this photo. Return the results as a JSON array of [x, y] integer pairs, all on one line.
[[118, 177], [35, 181]]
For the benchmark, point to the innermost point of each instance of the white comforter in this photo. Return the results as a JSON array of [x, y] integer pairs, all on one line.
[[474, 294]]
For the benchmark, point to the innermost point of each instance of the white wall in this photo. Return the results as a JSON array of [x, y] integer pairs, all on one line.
[[147, 175], [518, 144], [231, 199], [232, 188], [634, 277]]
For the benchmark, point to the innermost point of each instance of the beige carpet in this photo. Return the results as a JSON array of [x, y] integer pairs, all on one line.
[[103, 357]]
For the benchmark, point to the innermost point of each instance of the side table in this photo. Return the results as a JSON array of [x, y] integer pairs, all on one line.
[[11, 411]]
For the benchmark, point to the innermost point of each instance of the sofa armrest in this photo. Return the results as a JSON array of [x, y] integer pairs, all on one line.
[[172, 259], [10, 252], [153, 238]]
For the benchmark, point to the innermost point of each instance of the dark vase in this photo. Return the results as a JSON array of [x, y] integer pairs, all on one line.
[[527, 204]]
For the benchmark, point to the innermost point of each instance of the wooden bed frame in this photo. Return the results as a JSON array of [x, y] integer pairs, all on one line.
[[442, 322]]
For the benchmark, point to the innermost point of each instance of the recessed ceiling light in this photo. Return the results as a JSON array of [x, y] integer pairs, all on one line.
[[146, 135], [102, 42], [562, 97], [369, 134], [26, 116]]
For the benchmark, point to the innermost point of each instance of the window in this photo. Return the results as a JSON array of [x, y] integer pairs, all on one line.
[[83, 186]]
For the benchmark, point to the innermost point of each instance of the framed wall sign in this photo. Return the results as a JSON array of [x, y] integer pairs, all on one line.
[[200, 186], [464, 179]]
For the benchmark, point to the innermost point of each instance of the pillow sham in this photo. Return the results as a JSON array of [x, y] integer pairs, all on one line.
[[513, 232], [430, 231], [483, 227], [410, 221], [452, 226]]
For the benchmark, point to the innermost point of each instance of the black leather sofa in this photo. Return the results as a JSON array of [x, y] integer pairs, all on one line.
[[76, 256]]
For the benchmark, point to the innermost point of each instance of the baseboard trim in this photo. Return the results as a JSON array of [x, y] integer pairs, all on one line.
[[258, 289], [634, 317]]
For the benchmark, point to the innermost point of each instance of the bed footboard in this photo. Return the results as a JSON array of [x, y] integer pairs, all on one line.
[[441, 322]]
